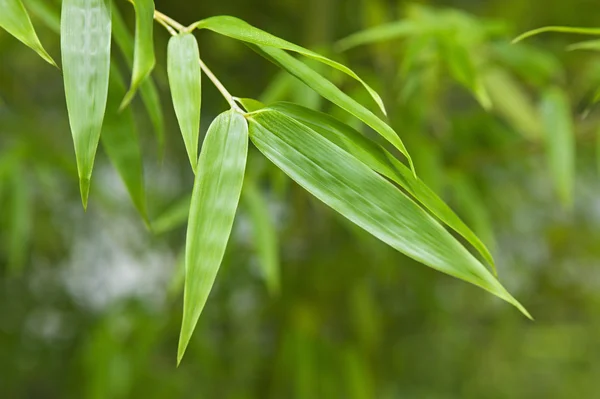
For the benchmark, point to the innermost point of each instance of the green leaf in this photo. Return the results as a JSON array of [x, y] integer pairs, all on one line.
[[85, 46], [143, 59], [214, 202], [15, 20], [351, 188], [46, 13], [329, 91], [593, 45], [264, 234], [379, 33], [511, 101], [559, 29], [121, 142], [250, 104], [384, 163], [560, 142], [148, 89], [183, 68], [462, 68], [241, 30], [174, 216]]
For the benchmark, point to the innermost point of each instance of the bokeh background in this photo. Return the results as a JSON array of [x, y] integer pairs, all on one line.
[[91, 303]]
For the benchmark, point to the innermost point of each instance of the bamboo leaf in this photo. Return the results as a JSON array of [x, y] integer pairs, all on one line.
[[351, 188], [143, 59], [379, 33], [384, 163], [148, 90], [85, 45], [264, 234], [593, 45], [15, 20], [560, 142], [558, 29], [250, 104], [121, 143], [215, 199], [241, 30], [329, 91], [511, 101], [183, 68]]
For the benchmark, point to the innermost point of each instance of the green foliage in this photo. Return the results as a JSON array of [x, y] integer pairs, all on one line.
[[342, 163]]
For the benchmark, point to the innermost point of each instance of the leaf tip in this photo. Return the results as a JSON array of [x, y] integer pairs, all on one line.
[[84, 189]]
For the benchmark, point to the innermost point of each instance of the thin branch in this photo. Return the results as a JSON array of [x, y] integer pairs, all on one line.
[[169, 20], [220, 86]]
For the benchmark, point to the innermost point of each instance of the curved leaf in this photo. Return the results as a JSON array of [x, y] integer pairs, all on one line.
[[183, 68], [214, 202], [174, 216], [148, 89], [558, 29], [332, 93], [143, 56], [593, 45], [384, 163], [243, 31], [85, 45], [560, 142], [365, 198], [121, 143], [15, 20], [379, 33]]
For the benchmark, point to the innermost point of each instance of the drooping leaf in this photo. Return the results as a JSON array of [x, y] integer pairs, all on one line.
[[148, 89], [85, 46], [586, 45], [183, 68], [511, 101], [45, 12], [264, 234], [384, 163], [215, 198], [351, 188], [15, 20], [380, 33], [462, 68], [560, 142], [559, 29], [332, 93], [174, 216], [121, 142], [250, 104], [241, 30], [143, 59]]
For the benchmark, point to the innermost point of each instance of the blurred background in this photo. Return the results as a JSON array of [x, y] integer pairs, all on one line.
[[91, 302]]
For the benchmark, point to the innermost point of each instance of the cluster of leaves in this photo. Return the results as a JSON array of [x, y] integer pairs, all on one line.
[[356, 176]]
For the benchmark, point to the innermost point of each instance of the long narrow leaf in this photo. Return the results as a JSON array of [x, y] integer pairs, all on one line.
[[264, 234], [183, 68], [121, 142], [143, 59], [383, 163], [15, 20], [148, 89], [379, 33], [560, 142], [593, 45], [558, 29], [85, 44], [215, 199], [332, 93], [241, 30], [365, 198]]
